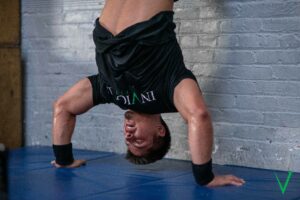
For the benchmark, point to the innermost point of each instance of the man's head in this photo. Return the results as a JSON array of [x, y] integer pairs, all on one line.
[[146, 136]]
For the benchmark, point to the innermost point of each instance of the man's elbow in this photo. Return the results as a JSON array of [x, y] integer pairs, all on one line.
[[199, 116]]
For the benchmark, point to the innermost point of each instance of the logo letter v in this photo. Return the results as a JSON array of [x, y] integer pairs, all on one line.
[[283, 188]]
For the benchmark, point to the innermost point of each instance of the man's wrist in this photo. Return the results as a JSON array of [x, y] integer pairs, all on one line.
[[203, 173], [63, 154]]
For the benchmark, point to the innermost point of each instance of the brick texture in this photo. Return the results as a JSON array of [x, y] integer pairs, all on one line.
[[245, 55]]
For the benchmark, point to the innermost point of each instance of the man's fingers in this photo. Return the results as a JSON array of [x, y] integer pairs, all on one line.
[[55, 164], [236, 183], [233, 180], [83, 162], [239, 180], [75, 164], [226, 180], [80, 162]]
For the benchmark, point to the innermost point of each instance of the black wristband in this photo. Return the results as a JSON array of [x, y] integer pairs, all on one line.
[[63, 154], [203, 173]]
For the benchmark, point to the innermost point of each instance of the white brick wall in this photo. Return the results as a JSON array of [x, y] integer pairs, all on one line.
[[245, 54]]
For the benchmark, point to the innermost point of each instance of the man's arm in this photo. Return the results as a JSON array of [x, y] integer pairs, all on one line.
[[77, 100], [190, 103]]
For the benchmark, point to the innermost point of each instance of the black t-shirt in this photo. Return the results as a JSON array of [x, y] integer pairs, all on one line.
[[140, 67]]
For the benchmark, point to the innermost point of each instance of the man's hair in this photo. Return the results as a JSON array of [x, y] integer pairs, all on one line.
[[157, 152]]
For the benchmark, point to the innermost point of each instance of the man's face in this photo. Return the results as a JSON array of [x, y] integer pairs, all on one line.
[[140, 131]]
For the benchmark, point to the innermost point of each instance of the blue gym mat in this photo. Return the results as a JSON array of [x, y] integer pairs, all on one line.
[[108, 176]]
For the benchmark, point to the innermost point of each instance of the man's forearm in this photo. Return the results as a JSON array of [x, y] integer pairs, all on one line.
[[62, 130], [200, 141], [200, 133], [63, 126]]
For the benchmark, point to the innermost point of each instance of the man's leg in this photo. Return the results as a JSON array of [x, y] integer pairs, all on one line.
[[77, 100]]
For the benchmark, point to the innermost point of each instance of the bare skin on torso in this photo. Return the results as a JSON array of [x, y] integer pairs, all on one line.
[[117, 15]]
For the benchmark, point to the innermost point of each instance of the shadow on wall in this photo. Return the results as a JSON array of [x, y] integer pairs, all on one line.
[[244, 55]]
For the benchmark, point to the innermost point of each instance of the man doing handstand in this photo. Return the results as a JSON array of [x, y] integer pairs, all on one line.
[[141, 70]]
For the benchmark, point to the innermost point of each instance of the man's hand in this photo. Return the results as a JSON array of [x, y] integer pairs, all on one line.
[[75, 164], [225, 180]]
